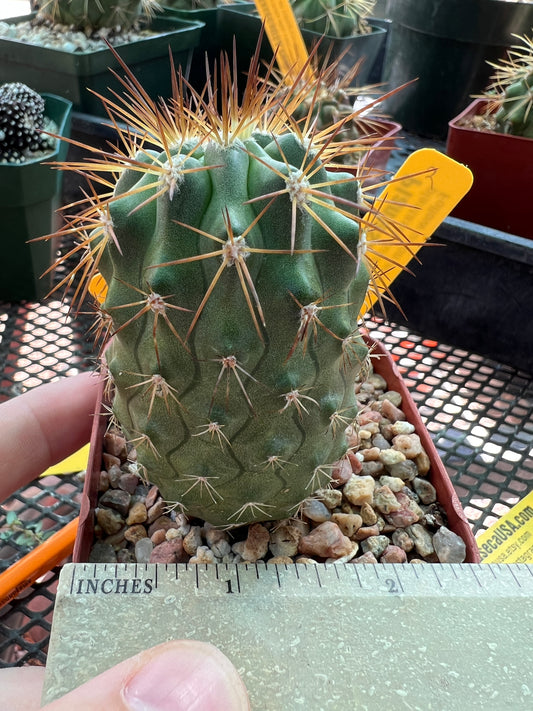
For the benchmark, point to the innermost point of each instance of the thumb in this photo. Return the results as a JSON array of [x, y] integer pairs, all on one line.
[[175, 676]]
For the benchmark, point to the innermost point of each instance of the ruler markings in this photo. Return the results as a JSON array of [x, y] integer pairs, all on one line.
[[514, 576], [238, 579], [474, 575], [318, 576]]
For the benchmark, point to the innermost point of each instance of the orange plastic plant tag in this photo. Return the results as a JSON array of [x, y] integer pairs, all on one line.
[[284, 36], [423, 192], [98, 288]]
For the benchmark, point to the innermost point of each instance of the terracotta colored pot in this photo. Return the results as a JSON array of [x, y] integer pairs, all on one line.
[[384, 366], [503, 172]]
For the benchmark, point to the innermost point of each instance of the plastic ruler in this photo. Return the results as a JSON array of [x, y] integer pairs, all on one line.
[[358, 637]]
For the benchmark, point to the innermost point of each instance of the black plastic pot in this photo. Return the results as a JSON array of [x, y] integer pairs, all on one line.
[[30, 193], [446, 44], [474, 292], [71, 74]]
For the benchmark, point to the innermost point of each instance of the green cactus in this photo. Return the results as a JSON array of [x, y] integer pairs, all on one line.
[[92, 15], [236, 272], [510, 93], [333, 17]]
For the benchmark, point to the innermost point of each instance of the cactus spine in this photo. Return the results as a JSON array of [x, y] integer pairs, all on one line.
[[236, 271]]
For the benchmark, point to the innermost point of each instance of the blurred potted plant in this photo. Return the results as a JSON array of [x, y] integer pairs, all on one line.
[[30, 190], [62, 49], [444, 43], [493, 136], [344, 31]]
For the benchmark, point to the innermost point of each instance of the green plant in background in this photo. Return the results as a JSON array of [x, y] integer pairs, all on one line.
[[26, 534], [236, 268], [331, 17], [91, 15], [22, 122], [510, 94]]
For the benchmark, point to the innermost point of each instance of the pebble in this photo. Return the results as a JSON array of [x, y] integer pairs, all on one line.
[[385, 501], [116, 499], [169, 552], [135, 533], [425, 490], [137, 513], [393, 554], [316, 511], [329, 497], [409, 444], [256, 544], [115, 444], [284, 540], [368, 515], [102, 553], [422, 540], [359, 489], [401, 538], [143, 550], [325, 541], [449, 547], [349, 524], [367, 557], [109, 519], [402, 427], [193, 540], [391, 411], [405, 470], [204, 554], [341, 472], [161, 523], [375, 545]]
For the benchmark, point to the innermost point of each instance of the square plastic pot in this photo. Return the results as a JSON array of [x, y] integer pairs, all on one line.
[[503, 173], [73, 74], [384, 365], [30, 194]]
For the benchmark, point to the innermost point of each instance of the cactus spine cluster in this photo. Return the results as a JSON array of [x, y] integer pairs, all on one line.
[[92, 15], [236, 268], [333, 17]]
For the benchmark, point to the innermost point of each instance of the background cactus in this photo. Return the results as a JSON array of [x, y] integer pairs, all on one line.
[[236, 272], [333, 17], [510, 95], [91, 15], [22, 122]]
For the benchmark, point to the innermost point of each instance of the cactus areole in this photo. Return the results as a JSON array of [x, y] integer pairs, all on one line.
[[236, 271]]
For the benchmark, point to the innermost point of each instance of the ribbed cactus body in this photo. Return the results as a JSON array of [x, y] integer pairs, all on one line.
[[233, 359], [515, 115], [92, 14]]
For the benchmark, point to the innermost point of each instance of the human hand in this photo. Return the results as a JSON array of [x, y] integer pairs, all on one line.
[[40, 428]]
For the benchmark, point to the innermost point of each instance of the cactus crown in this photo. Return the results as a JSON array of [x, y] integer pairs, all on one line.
[[510, 93], [236, 264], [21, 123], [331, 17], [92, 15]]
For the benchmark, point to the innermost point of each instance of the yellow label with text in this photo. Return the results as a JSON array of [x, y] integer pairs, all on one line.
[[284, 36], [423, 192], [510, 539]]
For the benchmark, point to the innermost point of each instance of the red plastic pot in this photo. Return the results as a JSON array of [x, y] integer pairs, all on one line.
[[384, 366], [503, 173]]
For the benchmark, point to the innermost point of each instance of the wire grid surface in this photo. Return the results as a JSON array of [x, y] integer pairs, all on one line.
[[479, 412]]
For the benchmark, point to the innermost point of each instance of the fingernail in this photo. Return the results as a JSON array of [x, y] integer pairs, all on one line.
[[188, 677]]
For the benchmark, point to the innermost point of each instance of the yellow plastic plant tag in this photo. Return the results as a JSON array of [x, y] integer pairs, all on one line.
[[284, 36], [510, 539], [77, 462], [423, 192]]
